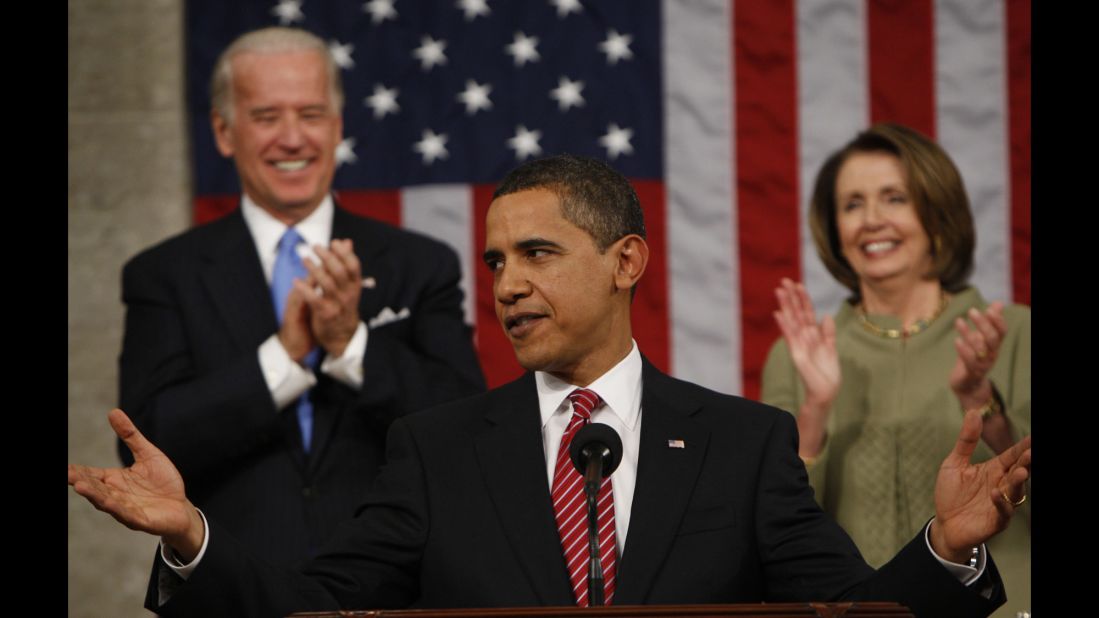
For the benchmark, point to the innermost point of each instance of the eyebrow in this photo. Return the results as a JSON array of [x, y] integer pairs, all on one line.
[[523, 245]]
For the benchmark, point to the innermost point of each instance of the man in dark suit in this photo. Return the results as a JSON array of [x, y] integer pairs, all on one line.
[[711, 503], [278, 426]]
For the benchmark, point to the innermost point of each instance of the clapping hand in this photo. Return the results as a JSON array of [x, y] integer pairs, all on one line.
[[978, 347], [812, 348], [332, 294]]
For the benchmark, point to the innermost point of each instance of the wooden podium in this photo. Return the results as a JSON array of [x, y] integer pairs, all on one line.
[[747, 610]]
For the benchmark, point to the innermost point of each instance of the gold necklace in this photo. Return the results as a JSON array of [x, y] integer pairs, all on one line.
[[896, 333]]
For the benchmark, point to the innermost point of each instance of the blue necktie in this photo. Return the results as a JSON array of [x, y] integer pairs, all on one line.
[[288, 265]]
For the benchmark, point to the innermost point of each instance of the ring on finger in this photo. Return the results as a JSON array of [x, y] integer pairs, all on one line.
[[1013, 502]]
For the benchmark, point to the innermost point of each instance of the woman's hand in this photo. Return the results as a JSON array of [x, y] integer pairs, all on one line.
[[812, 347], [978, 347]]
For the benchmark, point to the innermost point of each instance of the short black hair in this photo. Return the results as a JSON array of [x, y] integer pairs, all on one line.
[[593, 195]]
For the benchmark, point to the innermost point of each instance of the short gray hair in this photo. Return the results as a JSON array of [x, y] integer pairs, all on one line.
[[271, 40]]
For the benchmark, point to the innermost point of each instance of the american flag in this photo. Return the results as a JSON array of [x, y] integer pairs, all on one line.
[[719, 111]]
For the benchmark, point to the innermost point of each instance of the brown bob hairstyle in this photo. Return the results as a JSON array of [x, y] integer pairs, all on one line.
[[935, 187]]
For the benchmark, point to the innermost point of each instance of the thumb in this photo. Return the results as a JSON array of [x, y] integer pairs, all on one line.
[[126, 431]]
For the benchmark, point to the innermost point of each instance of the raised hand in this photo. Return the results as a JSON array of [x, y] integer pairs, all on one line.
[[146, 496], [973, 502], [812, 345], [296, 332], [334, 309], [812, 348], [978, 347]]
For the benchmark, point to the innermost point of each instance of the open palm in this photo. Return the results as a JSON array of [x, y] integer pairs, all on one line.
[[973, 502], [147, 496]]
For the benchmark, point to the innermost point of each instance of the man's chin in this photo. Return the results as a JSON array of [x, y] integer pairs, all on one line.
[[531, 360]]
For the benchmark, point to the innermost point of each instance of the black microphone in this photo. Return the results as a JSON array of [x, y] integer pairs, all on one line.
[[596, 451], [596, 442]]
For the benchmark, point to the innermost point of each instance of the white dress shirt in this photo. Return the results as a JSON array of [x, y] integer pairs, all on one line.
[[620, 389], [286, 379]]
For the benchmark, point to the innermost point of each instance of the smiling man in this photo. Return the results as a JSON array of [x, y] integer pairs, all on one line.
[[476, 506], [273, 396]]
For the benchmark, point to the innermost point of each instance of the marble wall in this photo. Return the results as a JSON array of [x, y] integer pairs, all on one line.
[[129, 187]]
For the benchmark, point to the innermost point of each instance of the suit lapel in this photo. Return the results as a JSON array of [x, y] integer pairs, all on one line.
[[234, 277], [513, 464], [665, 480]]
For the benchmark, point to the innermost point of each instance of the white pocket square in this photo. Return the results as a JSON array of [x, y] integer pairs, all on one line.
[[387, 315]]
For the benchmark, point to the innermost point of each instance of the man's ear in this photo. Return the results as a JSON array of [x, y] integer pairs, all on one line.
[[222, 136], [632, 256]]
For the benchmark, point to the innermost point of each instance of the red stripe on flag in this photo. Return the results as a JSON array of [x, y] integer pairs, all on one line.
[[649, 314], [902, 63], [765, 61], [1018, 103], [493, 348], [382, 205], [213, 207]]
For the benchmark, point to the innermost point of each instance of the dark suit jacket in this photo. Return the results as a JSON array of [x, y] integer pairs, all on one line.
[[461, 516], [198, 307]]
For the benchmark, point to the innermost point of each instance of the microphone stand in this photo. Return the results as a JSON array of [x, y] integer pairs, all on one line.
[[593, 479]]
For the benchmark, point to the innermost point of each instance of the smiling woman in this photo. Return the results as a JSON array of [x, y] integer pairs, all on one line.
[[879, 390]]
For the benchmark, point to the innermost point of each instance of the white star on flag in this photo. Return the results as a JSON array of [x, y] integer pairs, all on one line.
[[564, 7], [617, 47], [616, 141], [523, 49], [383, 101], [430, 52], [288, 11], [380, 10], [432, 146], [345, 152], [567, 93], [473, 8], [525, 143], [475, 97], [341, 54]]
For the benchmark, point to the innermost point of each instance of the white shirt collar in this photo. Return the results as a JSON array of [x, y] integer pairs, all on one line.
[[266, 230], [620, 389]]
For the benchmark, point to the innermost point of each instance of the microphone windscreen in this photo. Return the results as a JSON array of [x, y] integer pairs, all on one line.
[[595, 435]]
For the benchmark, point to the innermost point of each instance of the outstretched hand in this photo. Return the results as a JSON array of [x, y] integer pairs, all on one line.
[[146, 496], [973, 502]]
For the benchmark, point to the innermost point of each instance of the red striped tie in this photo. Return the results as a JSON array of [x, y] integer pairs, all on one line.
[[570, 509]]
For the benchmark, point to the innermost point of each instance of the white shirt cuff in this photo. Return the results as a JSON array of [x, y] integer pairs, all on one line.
[[348, 368], [166, 587], [286, 380], [965, 573]]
